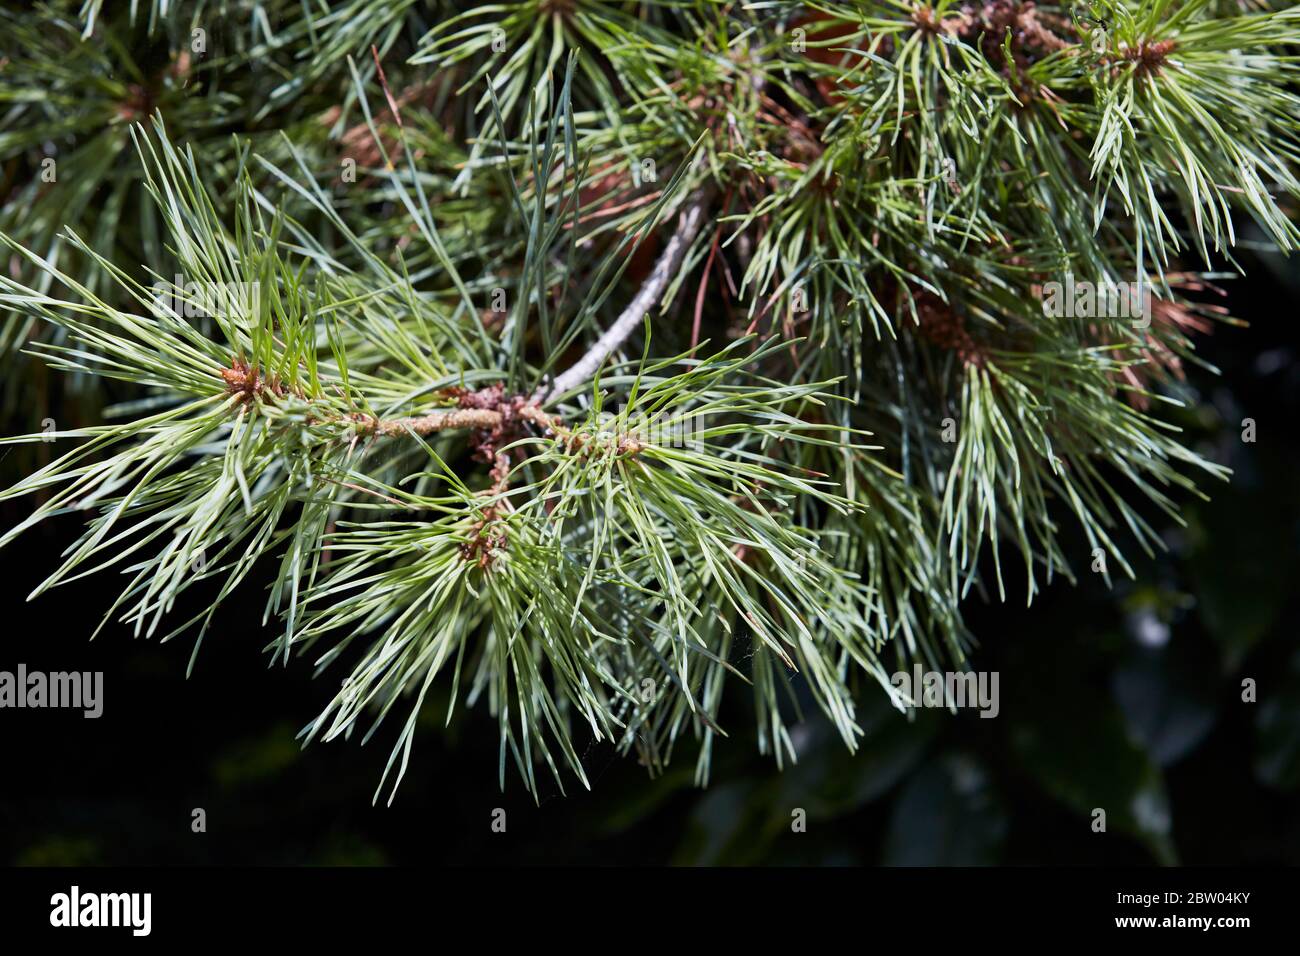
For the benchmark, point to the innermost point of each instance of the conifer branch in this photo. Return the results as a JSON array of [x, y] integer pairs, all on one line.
[[440, 421], [689, 222], [890, 188], [519, 408]]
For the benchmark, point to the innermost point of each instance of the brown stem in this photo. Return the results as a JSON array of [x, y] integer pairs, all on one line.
[[245, 381], [440, 421], [481, 418]]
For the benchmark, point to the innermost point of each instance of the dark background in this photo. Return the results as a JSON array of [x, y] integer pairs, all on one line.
[[1127, 700]]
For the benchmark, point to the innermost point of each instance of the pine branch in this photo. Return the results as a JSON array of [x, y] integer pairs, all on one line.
[[689, 222], [473, 418], [885, 190]]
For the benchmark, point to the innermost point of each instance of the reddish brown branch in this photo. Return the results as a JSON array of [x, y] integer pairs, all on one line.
[[439, 421]]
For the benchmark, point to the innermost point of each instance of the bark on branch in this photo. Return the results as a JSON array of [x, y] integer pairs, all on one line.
[[440, 421], [245, 381], [480, 418], [647, 297]]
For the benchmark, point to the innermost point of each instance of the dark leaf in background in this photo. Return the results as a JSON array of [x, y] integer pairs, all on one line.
[[1074, 742], [1167, 701], [830, 781], [1242, 580], [1277, 748], [947, 815]]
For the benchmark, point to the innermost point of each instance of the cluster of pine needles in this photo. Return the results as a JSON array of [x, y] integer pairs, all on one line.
[[600, 361]]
